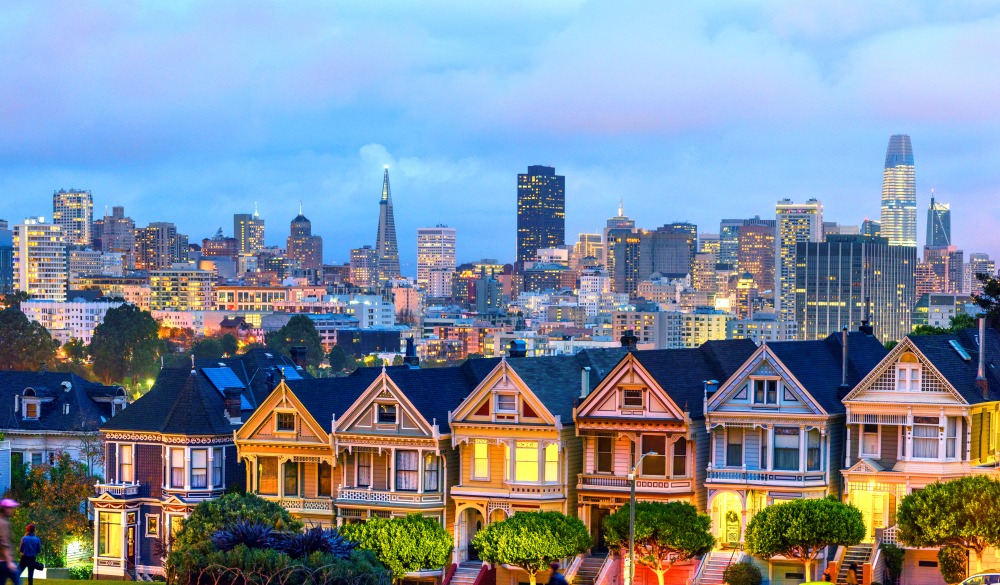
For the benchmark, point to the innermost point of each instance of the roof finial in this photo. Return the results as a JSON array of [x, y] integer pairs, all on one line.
[[386, 195], [621, 207], [255, 214], [300, 207]]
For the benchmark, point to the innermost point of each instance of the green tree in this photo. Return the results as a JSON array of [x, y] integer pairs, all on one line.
[[398, 360], [299, 331], [953, 562], [989, 299], [50, 497], [338, 359], [24, 344], [665, 533], [957, 323], [893, 556], [230, 345], [742, 573], [192, 543], [75, 350], [532, 540], [126, 346], [801, 529], [14, 299], [403, 544], [207, 348], [961, 512]]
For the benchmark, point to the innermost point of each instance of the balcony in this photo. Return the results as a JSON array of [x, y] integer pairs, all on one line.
[[762, 477], [518, 491], [612, 483], [354, 495], [119, 490], [305, 505]]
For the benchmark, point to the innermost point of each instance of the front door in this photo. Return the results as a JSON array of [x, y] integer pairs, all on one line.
[[597, 516], [475, 524], [874, 508]]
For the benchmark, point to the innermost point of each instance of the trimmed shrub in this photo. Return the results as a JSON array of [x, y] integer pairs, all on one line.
[[742, 573]]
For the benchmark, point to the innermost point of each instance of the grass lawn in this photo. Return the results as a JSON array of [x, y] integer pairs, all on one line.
[[60, 581]]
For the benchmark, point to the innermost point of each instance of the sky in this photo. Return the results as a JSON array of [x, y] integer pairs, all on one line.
[[192, 111]]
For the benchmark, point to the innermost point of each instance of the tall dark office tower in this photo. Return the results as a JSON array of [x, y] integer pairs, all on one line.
[[304, 248], [870, 227], [729, 236], [386, 249], [624, 264], [6, 259], [670, 250], [249, 231], [837, 282], [938, 223], [899, 193], [116, 233], [541, 211]]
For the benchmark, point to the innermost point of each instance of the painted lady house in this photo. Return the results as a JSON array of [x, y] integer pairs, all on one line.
[[170, 450], [649, 402], [776, 432], [926, 413]]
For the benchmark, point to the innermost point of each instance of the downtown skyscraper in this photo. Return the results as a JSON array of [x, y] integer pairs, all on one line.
[[73, 211], [938, 223], [386, 248], [796, 223], [541, 211], [249, 232], [435, 251], [899, 193]]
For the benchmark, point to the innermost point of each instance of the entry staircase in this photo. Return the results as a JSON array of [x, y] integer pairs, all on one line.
[[589, 569], [716, 564], [466, 573], [860, 554]]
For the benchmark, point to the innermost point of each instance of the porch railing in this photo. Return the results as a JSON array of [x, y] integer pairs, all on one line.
[[767, 477], [641, 483], [117, 489], [387, 497]]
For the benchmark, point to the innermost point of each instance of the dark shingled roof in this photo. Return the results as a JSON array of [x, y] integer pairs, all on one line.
[[85, 414], [961, 373], [817, 364]]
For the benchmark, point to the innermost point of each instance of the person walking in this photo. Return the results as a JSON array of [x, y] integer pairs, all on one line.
[[852, 574], [556, 578], [8, 568], [31, 545]]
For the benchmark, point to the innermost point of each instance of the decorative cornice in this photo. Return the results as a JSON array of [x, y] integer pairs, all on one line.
[[168, 439]]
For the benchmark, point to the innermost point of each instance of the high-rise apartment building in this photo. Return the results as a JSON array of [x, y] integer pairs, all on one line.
[[73, 211], [435, 250], [948, 265], [625, 245], [899, 193], [40, 266], [620, 221], [709, 244], [755, 255], [938, 223], [846, 279], [541, 211], [796, 223], [364, 267], [979, 263], [6, 259], [181, 287], [304, 249], [116, 233], [249, 231], [159, 246], [729, 236], [590, 246], [872, 228], [386, 247]]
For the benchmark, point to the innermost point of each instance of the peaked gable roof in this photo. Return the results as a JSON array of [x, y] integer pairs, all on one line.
[[85, 413], [181, 402], [959, 372], [627, 372]]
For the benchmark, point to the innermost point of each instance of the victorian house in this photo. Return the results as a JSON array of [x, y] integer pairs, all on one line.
[[170, 450], [776, 431], [926, 413]]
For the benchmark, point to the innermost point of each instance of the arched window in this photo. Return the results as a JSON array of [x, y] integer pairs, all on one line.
[[908, 373]]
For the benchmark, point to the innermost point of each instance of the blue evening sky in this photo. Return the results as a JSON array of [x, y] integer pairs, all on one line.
[[191, 111]]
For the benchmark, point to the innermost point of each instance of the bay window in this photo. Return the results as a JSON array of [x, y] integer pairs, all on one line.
[[291, 477], [680, 458], [605, 454], [109, 539], [364, 469], [199, 468], [786, 448], [814, 456], [526, 461], [506, 462], [325, 482], [177, 468], [431, 466], [552, 463], [126, 472], [407, 470], [925, 437], [734, 447], [267, 476], [217, 459], [655, 465]]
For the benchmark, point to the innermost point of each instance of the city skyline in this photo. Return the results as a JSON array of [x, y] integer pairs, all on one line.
[[824, 104]]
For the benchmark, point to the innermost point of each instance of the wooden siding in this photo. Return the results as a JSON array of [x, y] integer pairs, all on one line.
[[890, 446], [700, 442], [835, 440], [149, 470], [571, 464], [751, 449]]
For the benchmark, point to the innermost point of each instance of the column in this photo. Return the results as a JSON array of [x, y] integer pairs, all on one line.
[[847, 453], [210, 471], [420, 471], [281, 477], [187, 468], [770, 447], [802, 448], [391, 480]]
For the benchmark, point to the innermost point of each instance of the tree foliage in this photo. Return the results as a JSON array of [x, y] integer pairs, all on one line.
[[14, 299], [957, 323], [532, 540], [299, 331], [50, 497], [75, 350], [126, 346], [338, 359], [192, 545], [801, 529], [665, 533], [742, 573], [893, 556], [24, 344], [229, 344], [403, 544], [207, 348], [961, 512], [989, 299], [953, 562]]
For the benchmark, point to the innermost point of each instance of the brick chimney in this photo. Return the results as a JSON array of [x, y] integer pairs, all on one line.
[[410, 356], [232, 405], [298, 355], [629, 340]]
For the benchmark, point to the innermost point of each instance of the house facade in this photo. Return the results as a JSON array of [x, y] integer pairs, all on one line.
[[927, 413], [167, 452]]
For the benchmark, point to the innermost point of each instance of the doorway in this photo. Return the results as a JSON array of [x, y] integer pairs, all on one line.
[[597, 516], [727, 516], [874, 508]]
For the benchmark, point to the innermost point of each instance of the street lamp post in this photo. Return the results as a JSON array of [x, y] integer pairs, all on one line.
[[630, 574]]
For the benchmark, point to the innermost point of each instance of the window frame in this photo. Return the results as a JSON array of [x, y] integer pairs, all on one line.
[[320, 492], [798, 448], [818, 449], [205, 469], [131, 463], [278, 426], [908, 381], [550, 465], [366, 460], [176, 471], [261, 471], [653, 460], [432, 469], [30, 405], [742, 444], [154, 520], [531, 467], [610, 453], [675, 456], [476, 459], [218, 464], [400, 473], [625, 399], [926, 440], [952, 441], [878, 442], [104, 532], [769, 396], [285, 477], [382, 410], [497, 396]]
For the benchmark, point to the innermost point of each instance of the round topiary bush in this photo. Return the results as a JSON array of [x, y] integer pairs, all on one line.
[[953, 562], [742, 573]]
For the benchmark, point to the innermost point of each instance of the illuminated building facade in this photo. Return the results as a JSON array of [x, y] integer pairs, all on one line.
[[386, 248], [305, 249], [181, 288], [435, 251], [73, 211], [541, 211], [796, 223], [364, 267], [755, 254], [938, 223], [40, 265], [899, 193]]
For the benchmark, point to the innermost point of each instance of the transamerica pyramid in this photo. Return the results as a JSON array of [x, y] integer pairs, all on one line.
[[386, 249]]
